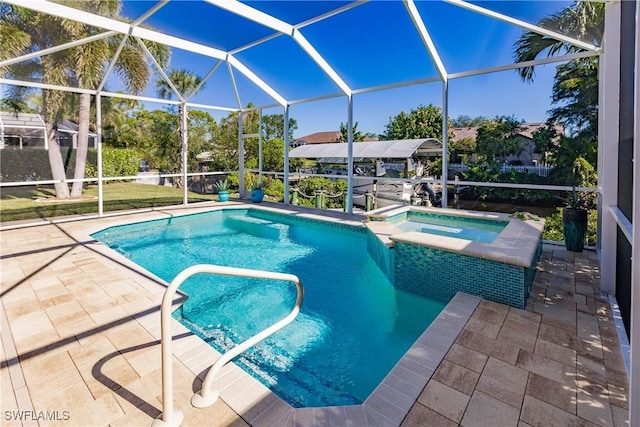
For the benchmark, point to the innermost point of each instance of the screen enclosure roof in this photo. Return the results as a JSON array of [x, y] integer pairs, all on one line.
[[278, 53]]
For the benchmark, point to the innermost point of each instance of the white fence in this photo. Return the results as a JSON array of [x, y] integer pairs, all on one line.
[[536, 169]]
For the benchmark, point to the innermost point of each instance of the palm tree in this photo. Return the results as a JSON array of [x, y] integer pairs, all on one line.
[[186, 83], [584, 20], [25, 31], [575, 89]]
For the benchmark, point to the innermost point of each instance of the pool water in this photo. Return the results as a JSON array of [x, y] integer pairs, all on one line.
[[353, 326], [478, 230]]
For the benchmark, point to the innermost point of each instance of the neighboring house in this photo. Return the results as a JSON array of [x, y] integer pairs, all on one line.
[[317, 138], [26, 130], [322, 138], [528, 156]]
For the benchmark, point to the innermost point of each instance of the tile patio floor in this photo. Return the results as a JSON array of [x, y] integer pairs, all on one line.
[[73, 347]]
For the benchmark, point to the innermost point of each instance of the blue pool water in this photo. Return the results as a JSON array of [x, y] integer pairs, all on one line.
[[478, 230], [353, 326]]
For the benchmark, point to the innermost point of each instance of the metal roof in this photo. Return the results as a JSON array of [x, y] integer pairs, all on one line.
[[398, 149], [22, 124]]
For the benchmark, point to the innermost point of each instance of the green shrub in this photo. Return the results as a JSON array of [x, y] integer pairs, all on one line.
[[553, 227], [115, 162], [274, 188], [331, 188], [493, 173], [32, 163], [19, 165]]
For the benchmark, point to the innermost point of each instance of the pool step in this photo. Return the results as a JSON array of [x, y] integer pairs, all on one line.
[[258, 227]]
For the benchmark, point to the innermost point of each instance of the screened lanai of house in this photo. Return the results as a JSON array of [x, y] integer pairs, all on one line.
[[279, 56]]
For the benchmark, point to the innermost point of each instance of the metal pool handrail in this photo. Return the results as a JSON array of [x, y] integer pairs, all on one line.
[[208, 396]]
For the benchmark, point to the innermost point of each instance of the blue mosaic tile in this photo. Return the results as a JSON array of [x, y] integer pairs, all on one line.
[[439, 274]]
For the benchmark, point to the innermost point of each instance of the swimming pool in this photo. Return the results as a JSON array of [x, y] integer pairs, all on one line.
[[474, 229], [353, 327], [438, 252]]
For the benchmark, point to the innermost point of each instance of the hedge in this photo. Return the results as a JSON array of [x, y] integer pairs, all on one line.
[[33, 164]]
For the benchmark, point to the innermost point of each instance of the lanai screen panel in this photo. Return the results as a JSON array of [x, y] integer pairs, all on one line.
[[398, 149]]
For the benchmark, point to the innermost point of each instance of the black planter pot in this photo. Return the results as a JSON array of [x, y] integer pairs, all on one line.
[[574, 228]]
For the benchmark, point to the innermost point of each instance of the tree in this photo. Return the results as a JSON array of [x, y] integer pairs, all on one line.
[[465, 121], [583, 20], [575, 92], [273, 126], [26, 31], [499, 138], [545, 140], [119, 122], [186, 83], [460, 147], [344, 133], [575, 88], [423, 122]]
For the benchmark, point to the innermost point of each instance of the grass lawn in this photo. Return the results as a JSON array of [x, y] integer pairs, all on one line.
[[22, 203]]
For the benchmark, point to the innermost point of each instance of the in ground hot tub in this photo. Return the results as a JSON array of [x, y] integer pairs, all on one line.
[[438, 252]]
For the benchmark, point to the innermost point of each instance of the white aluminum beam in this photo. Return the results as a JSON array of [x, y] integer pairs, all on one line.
[[276, 24], [349, 155], [527, 26], [99, 154], [140, 98], [77, 15], [542, 61], [396, 85], [39, 85], [331, 13], [116, 55], [58, 48], [286, 155], [211, 107], [445, 141], [300, 25], [161, 71], [426, 38], [255, 43], [316, 98], [235, 87], [204, 79], [113, 62], [256, 80], [254, 15], [322, 63], [149, 12]]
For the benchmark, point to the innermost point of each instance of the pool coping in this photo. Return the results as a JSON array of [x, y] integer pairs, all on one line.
[[387, 405], [514, 245]]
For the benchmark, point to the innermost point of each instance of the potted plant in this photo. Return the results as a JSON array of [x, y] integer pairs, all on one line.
[[257, 193], [574, 215], [223, 190]]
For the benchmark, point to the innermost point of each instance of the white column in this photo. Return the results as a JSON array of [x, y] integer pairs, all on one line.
[[350, 153], [99, 156], [286, 154], [260, 145], [634, 387], [608, 137], [445, 139], [185, 154], [240, 156]]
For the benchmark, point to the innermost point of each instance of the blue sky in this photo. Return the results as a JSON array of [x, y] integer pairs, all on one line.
[[370, 45]]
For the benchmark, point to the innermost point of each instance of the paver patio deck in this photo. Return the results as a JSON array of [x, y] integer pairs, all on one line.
[[76, 345]]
